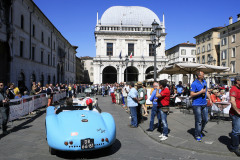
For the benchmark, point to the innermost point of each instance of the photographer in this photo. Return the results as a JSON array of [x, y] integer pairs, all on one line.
[[4, 108]]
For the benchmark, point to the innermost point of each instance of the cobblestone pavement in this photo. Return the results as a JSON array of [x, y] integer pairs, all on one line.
[[27, 140]]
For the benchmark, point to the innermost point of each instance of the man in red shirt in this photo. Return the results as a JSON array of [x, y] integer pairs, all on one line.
[[163, 107], [235, 115]]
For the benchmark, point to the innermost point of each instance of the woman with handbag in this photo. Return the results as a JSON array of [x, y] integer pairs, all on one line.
[[163, 107]]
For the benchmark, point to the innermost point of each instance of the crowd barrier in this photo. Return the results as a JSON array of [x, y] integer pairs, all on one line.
[[23, 106]]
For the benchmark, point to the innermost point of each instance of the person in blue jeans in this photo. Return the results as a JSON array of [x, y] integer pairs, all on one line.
[[154, 111], [235, 115], [132, 101], [199, 96]]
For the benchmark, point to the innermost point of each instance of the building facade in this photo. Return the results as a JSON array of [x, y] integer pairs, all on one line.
[[208, 50], [230, 51], [183, 52], [38, 52], [79, 70], [88, 75], [123, 31]]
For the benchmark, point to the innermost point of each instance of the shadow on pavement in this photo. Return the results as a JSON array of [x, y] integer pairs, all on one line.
[[24, 124], [225, 140], [192, 132], [91, 154]]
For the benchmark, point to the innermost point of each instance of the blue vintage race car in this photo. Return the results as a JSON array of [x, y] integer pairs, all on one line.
[[75, 129]]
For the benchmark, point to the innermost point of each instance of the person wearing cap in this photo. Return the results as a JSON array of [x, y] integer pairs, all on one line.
[[132, 101], [235, 115], [199, 96]]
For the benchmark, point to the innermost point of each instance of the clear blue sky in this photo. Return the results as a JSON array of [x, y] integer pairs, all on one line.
[[76, 19]]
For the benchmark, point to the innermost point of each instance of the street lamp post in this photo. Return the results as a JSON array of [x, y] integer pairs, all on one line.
[[155, 36], [126, 60]]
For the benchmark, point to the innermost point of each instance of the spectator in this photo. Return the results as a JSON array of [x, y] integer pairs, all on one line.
[[180, 88], [125, 93], [215, 96], [10, 91], [141, 99], [25, 94], [33, 91], [163, 103], [16, 90], [112, 89], [103, 90], [18, 96], [4, 108], [154, 111], [235, 115], [132, 100], [199, 95], [49, 94]]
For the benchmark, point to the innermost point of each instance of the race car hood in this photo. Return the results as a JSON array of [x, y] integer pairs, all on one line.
[[81, 123]]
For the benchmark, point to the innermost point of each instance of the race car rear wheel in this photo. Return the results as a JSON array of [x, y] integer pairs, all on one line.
[[52, 151]]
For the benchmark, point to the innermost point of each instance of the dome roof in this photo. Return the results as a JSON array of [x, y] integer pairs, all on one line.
[[128, 15]]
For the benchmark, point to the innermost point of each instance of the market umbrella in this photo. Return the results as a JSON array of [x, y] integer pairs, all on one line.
[[190, 68]]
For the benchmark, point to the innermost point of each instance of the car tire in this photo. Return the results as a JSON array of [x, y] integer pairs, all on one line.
[[52, 151]]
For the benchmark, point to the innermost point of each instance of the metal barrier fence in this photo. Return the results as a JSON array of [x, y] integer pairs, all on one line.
[[23, 106]]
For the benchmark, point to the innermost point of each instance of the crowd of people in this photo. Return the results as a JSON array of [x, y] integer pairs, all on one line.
[[133, 96]]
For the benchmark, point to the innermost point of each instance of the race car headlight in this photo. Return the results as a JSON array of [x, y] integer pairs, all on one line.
[[106, 140], [71, 142], [102, 139]]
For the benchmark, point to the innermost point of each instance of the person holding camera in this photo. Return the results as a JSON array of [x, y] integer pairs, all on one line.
[[4, 108], [199, 96]]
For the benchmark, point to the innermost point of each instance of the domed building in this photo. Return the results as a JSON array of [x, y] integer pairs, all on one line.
[[121, 32]]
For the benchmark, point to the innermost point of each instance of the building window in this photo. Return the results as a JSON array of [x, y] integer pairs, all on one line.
[[183, 51], [48, 59], [208, 57], [41, 56], [109, 49], [183, 59], [198, 50], [233, 28], [193, 59], [224, 54], [54, 45], [151, 50], [33, 31], [53, 61], [130, 49], [203, 59], [33, 53], [233, 52], [233, 66], [233, 38], [209, 47], [22, 22], [42, 38], [203, 49], [193, 52], [198, 59], [224, 64], [187, 59], [224, 41], [48, 41], [21, 48], [203, 39]]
